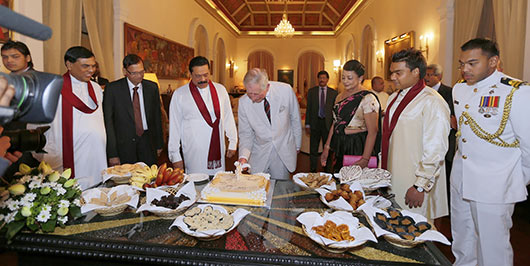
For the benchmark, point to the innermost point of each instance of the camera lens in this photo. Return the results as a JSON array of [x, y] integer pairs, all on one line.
[[27, 139]]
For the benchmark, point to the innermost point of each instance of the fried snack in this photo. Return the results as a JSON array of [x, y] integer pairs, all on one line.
[[331, 231], [355, 198], [110, 200], [316, 180], [124, 169], [404, 226]]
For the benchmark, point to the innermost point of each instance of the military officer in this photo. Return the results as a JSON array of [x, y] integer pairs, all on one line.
[[492, 165]]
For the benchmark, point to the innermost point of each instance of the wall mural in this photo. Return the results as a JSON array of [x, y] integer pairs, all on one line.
[[166, 58]]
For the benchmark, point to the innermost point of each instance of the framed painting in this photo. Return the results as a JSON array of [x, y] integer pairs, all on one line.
[[6, 34], [166, 58], [394, 45], [286, 76]]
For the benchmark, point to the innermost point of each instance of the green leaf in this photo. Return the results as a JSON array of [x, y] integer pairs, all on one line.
[[70, 193], [49, 226], [75, 211], [32, 225], [13, 228]]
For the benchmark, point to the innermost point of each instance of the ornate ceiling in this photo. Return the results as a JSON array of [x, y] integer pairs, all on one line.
[[260, 17]]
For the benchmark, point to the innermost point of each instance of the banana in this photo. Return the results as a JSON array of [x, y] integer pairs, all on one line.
[[139, 179], [137, 184], [154, 170]]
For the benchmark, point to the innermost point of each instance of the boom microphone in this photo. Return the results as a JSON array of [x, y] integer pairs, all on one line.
[[24, 25]]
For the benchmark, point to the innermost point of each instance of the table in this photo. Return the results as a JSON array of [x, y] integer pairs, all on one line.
[[264, 237]]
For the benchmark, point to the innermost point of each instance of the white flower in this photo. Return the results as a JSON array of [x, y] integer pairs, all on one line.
[[63, 219], [61, 191], [13, 205], [34, 184], [77, 202], [43, 216], [64, 203], [24, 179], [46, 208], [28, 204], [29, 197], [10, 217]]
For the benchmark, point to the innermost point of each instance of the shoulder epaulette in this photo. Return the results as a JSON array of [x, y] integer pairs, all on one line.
[[513, 82], [461, 81]]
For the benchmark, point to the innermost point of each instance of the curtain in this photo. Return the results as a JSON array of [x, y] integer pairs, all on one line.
[[467, 19], [99, 21], [309, 64], [64, 17], [263, 60], [510, 21]]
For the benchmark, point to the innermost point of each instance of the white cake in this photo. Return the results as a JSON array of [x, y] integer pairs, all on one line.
[[225, 187]]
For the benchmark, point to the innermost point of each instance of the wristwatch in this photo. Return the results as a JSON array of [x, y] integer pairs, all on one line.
[[419, 189]]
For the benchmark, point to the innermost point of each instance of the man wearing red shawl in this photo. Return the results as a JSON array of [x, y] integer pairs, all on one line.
[[200, 116], [415, 132], [76, 138]]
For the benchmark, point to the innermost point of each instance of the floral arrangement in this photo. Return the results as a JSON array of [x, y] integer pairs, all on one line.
[[38, 198]]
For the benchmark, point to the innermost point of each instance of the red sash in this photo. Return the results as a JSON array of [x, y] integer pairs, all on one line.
[[388, 128], [69, 101], [214, 153]]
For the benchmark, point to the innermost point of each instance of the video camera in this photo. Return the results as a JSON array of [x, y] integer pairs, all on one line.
[[36, 93]]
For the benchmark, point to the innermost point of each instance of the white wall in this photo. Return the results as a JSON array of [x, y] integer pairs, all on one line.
[[389, 18], [286, 53]]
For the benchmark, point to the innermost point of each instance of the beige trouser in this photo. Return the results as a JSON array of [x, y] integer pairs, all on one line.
[[481, 232]]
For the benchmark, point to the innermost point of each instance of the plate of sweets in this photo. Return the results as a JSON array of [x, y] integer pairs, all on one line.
[[403, 228], [168, 202], [335, 232], [109, 201], [120, 174], [310, 181], [209, 222], [369, 178], [349, 197]]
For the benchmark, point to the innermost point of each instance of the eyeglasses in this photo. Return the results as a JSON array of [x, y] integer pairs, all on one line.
[[139, 73]]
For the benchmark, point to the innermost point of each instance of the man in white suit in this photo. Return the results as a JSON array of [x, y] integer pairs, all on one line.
[[270, 131]]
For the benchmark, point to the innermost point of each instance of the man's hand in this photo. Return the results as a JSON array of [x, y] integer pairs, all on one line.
[[413, 198], [179, 164], [230, 153], [242, 160], [6, 92], [13, 157], [158, 152], [114, 161]]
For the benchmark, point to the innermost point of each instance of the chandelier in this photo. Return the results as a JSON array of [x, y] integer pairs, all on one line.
[[284, 28]]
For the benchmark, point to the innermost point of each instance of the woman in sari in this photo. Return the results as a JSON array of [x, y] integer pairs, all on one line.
[[356, 116]]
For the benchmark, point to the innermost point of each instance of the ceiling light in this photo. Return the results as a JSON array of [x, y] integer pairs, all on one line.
[[284, 28]]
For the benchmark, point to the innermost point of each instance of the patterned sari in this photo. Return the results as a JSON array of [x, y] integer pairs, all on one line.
[[350, 144]]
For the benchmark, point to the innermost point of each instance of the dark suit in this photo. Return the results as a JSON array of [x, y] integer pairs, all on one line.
[[122, 140], [447, 94], [100, 80], [319, 127]]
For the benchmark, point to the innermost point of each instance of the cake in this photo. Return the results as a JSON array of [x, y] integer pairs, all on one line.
[[246, 189]]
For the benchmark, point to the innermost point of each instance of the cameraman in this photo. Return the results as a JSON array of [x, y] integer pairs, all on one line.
[[6, 94]]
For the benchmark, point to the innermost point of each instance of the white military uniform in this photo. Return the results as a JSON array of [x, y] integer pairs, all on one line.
[[490, 173]]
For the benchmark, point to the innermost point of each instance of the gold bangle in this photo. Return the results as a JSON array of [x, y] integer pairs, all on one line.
[[327, 146], [362, 158]]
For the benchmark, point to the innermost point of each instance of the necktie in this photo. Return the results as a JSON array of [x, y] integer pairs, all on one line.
[[267, 108], [321, 112], [137, 113]]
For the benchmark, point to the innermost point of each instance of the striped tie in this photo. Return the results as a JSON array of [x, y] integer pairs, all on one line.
[[267, 108]]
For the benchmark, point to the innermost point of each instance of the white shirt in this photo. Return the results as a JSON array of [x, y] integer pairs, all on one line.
[[141, 98], [188, 128], [437, 86], [89, 137]]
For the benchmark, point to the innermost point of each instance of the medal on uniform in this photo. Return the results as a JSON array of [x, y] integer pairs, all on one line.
[[489, 105]]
